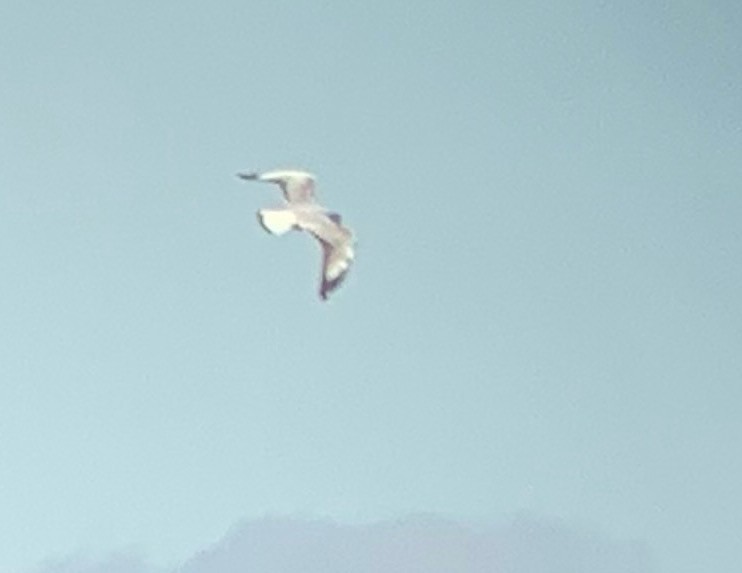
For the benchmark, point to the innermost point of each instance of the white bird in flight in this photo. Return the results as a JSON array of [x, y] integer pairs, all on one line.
[[302, 212]]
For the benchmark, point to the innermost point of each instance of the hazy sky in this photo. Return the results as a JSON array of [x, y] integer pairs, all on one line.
[[545, 314]]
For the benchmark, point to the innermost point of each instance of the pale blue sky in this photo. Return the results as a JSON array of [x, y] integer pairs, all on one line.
[[545, 314]]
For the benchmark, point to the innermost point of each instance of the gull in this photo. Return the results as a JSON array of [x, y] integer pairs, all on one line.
[[300, 211]]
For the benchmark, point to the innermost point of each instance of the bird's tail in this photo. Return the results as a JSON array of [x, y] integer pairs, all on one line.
[[277, 221]]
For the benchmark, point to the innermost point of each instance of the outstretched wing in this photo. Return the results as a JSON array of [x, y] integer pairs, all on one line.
[[337, 244], [297, 186], [336, 263]]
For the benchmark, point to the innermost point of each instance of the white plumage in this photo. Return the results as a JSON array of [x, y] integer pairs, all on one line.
[[277, 221], [302, 212]]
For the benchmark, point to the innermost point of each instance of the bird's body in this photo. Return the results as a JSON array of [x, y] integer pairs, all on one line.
[[302, 212]]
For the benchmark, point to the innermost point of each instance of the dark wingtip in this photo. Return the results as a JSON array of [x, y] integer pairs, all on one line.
[[248, 176], [329, 287]]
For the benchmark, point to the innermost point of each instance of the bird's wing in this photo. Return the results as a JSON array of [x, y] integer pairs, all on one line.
[[337, 248], [336, 263], [297, 186]]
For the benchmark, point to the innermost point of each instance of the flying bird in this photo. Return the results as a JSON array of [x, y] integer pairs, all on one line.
[[300, 211]]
